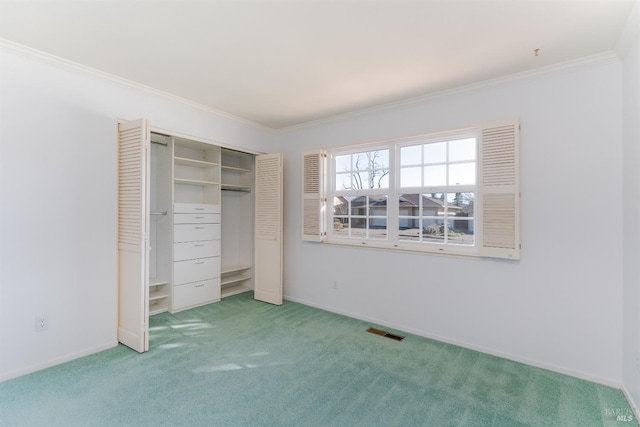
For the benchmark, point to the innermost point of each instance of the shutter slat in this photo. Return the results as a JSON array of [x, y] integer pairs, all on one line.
[[312, 189], [500, 191], [131, 185], [268, 197]]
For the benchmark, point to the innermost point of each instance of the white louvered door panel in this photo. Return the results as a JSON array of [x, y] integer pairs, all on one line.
[[268, 229], [133, 246], [312, 193], [500, 189]]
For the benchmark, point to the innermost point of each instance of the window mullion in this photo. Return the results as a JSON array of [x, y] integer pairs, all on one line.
[[393, 211]]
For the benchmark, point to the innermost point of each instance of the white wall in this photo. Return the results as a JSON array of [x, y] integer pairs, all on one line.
[[631, 218], [58, 216], [559, 307]]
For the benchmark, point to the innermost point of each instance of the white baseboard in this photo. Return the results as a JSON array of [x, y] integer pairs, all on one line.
[[57, 361], [504, 355]]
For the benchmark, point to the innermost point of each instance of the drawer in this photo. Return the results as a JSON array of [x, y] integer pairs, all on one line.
[[191, 250], [195, 232], [199, 218], [196, 293], [195, 269], [195, 208]]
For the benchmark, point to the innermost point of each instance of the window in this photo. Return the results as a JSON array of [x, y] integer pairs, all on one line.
[[360, 193], [437, 187], [455, 192]]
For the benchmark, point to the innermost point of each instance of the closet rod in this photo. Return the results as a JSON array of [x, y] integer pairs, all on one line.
[[239, 190], [159, 143], [158, 213]]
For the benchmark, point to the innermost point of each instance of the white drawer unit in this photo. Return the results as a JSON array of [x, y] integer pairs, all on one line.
[[203, 218], [195, 232], [196, 293], [195, 269], [195, 208], [192, 250]]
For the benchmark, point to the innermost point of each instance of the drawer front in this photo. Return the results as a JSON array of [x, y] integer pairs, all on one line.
[[204, 218], [196, 293], [195, 232], [192, 250], [195, 269], [195, 208]]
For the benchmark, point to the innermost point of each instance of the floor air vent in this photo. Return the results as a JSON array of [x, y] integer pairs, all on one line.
[[385, 334]]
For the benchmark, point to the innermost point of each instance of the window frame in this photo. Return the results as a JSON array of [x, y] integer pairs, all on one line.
[[394, 190]]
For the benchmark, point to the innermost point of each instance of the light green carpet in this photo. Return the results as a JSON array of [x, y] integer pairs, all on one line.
[[242, 362]]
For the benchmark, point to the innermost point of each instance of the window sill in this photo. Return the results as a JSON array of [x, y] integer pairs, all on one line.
[[464, 253]]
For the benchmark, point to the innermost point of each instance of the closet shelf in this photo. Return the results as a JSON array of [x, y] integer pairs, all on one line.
[[193, 182], [193, 162], [233, 187], [157, 295], [235, 169], [157, 282], [225, 281], [227, 291], [153, 310], [234, 268]]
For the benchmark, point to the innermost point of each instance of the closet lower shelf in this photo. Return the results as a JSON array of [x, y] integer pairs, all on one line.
[[227, 291]]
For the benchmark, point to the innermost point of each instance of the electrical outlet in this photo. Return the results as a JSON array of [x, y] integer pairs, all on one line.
[[42, 323], [335, 284]]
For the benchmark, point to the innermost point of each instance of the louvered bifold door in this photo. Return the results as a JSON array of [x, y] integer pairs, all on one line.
[[268, 229], [312, 196], [500, 191], [133, 220]]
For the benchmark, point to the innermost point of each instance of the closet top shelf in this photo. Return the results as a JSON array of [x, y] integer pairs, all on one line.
[[192, 162]]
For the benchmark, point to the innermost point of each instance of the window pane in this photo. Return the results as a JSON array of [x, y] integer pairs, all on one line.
[[462, 174], [378, 205], [340, 206], [435, 153], [341, 226], [409, 217], [343, 163], [410, 234], [411, 155], [359, 206], [379, 178], [361, 180], [378, 228], [343, 181], [463, 200], [461, 231], [379, 159], [411, 177], [435, 175], [433, 204], [433, 230], [462, 149]]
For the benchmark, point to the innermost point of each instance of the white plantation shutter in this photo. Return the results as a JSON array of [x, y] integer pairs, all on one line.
[[268, 229], [499, 190], [133, 219], [312, 196]]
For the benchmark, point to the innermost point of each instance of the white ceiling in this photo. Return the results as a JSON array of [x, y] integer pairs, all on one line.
[[283, 63]]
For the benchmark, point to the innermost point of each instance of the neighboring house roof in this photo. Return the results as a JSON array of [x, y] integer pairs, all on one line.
[[406, 200]]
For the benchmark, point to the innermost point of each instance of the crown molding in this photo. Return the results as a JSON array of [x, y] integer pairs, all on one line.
[[542, 72], [56, 60]]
